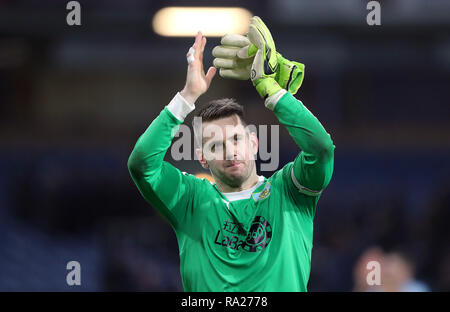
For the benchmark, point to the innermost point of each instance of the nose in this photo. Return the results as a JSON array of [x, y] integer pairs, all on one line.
[[230, 151]]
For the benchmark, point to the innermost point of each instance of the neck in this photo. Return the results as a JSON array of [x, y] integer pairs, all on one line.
[[250, 182]]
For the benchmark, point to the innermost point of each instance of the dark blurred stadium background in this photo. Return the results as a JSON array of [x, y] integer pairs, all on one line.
[[73, 101]]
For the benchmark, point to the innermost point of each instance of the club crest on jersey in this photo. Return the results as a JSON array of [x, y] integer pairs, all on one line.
[[263, 194]]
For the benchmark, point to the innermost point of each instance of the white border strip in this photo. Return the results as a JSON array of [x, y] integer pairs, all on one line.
[[301, 188]]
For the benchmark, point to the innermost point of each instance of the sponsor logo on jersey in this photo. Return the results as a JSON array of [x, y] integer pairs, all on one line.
[[257, 239]]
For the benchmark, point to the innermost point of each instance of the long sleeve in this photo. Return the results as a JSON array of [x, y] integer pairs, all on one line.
[[313, 167], [161, 184]]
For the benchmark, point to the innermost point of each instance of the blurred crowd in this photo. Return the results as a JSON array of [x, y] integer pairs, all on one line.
[[412, 253]]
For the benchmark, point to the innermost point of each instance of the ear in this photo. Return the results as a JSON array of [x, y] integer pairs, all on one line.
[[201, 158], [254, 143]]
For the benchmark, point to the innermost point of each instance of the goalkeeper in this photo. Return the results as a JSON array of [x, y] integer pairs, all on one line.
[[245, 232]]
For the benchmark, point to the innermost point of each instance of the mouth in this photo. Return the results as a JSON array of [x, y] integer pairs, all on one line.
[[234, 164]]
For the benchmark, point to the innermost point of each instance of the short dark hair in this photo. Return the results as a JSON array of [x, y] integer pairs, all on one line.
[[221, 108]]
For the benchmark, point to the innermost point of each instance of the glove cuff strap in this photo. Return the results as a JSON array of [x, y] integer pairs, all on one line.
[[290, 74], [267, 87]]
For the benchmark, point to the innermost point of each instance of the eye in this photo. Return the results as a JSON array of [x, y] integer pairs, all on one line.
[[217, 148]]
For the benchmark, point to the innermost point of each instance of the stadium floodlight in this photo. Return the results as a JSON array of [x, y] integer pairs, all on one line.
[[213, 22]]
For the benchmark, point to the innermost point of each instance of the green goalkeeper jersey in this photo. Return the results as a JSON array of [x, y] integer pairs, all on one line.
[[259, 243]]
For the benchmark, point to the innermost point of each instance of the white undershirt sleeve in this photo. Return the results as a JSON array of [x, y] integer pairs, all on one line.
[[179, 107], [272, 100]]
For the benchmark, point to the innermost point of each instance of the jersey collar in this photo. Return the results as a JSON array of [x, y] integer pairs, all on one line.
[[245, 194]]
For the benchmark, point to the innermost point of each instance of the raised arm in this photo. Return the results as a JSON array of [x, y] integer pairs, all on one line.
[[313, 167], [161, 184]]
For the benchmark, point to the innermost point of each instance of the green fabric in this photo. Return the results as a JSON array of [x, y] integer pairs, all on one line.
[[259, 244], [313, 167]]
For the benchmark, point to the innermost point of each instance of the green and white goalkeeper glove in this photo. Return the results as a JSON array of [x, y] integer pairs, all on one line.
[[265, 63], [236, 54]]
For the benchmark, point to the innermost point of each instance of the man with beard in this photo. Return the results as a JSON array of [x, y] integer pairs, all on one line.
[[245, 232]]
